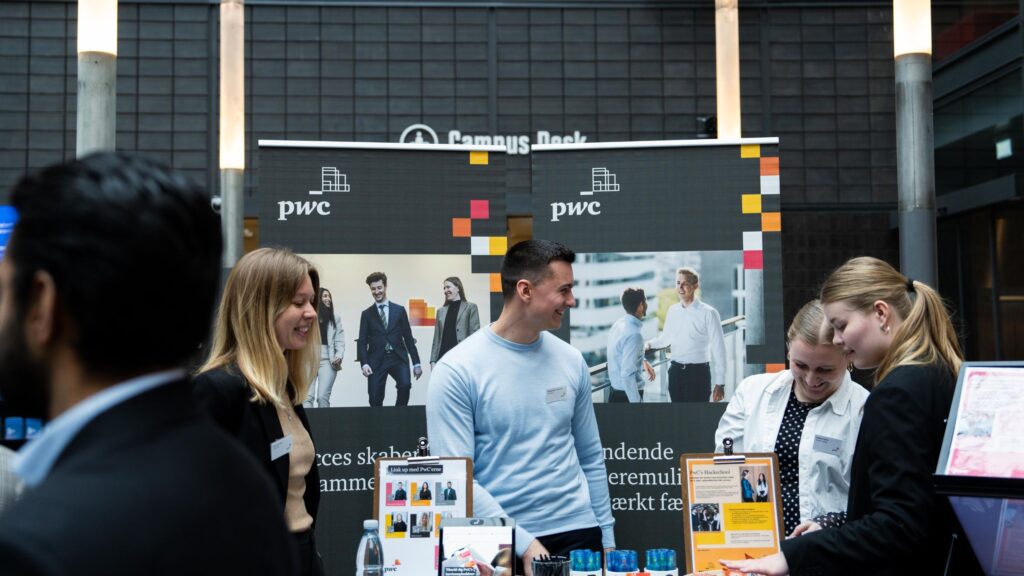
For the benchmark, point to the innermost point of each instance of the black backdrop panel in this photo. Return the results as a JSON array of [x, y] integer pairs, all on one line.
[[397, 201], [668, 198]]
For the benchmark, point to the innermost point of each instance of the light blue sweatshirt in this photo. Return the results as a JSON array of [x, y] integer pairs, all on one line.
[[524, 414]]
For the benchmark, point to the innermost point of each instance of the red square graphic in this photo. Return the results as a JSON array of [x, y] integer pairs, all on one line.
[[753, 260], [479, 209]]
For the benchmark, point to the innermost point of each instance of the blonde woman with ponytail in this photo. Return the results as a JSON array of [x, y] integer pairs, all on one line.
[[896, 524], [265, 355]]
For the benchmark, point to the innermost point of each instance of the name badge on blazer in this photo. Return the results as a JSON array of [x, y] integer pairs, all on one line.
[[556, 394], [828, 445], [280, 447]]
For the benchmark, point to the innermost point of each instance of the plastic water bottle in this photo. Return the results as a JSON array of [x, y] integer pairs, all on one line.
[[370, 556]]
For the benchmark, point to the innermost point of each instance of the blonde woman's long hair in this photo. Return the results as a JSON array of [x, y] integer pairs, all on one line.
[[259, 288], [926, 335]]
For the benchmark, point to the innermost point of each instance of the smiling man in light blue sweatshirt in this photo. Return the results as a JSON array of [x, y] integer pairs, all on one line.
[[517, 400]]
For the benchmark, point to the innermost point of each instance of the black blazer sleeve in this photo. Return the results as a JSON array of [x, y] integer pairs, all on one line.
[[897, 453], [222, 396]]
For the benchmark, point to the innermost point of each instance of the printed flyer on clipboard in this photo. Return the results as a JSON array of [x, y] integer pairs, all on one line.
[[732, 507], [411, 497]]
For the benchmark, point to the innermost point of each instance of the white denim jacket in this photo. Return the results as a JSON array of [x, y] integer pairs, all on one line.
[[754, 417]]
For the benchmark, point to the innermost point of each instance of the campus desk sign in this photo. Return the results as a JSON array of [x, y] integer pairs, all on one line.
[[514, 143]]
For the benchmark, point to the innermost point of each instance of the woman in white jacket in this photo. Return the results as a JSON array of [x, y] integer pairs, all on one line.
[[809, 416], [332, 350]]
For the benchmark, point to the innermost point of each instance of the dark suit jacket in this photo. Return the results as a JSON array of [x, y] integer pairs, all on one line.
[[896, 523], [449, 493], [149, 487], [224, 395], [373, 336], [399, 494], [466, 322]]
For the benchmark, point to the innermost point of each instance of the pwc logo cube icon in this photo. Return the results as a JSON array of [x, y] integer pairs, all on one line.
[[601, 181], [332, 181]]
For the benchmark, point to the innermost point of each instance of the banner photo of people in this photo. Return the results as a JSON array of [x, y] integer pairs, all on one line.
[[408, 241]]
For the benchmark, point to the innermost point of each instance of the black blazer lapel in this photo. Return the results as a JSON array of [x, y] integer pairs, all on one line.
[[272, 429]]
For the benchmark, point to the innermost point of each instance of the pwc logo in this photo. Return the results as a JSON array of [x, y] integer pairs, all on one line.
[[601, 181], [331, 182]]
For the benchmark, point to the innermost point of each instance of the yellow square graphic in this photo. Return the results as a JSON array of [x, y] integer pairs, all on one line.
[[478, 158], [751, 203], [499, 245], [750, 151], [771, 222]]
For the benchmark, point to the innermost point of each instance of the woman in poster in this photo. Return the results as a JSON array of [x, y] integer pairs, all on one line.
[[425, 491], [808, 415], [456, 320], [398, 525], [332, 351], [265, 352], [896, 523], [762, 488]]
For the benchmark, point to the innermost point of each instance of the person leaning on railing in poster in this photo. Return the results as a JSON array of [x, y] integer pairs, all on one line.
[[808, 415], [694, 331], [896, 524]]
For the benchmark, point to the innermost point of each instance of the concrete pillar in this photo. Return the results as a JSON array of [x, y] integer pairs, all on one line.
[[915, 166], [232, 215], [96, 129]]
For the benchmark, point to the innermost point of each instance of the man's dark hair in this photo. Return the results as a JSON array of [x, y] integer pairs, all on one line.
[[377, 277], [134, 250], [631, 298], [529, 260]]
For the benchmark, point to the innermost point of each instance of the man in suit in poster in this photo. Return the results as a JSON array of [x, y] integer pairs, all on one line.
[[385, 344], [128, 477]]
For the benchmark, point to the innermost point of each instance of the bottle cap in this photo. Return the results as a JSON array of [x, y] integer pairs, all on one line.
[[370, 525]]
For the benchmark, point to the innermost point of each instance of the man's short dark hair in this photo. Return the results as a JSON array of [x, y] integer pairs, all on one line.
[[631, 298], [529, 260], [134, 249], [377, 277]]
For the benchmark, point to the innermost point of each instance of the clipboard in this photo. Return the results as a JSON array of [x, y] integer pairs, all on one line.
[[410, 498], [719, 522]]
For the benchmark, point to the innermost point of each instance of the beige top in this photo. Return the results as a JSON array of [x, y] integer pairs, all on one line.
[[300, 462]]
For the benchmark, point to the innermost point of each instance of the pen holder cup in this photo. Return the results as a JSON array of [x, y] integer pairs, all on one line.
[[551, 566]]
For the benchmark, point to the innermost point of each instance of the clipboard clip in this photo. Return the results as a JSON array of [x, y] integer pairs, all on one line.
[[423, 452], [727, 456]]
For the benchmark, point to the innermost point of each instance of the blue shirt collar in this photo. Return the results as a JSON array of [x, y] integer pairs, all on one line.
[[37, 457]]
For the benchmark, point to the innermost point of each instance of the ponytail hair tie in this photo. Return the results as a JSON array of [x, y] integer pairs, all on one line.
[[910, 286]]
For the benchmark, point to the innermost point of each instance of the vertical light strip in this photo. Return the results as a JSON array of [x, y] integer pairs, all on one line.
[[232, 85], [97, 26], [912, 27], [727, 67]]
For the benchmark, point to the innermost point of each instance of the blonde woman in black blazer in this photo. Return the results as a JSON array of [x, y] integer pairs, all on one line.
[[466, 321], [265, 355]]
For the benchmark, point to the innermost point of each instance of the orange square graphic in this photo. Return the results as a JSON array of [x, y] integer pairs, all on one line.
[[773, 368], [769, 166], [771, 222], [461, 227], [495, 282]]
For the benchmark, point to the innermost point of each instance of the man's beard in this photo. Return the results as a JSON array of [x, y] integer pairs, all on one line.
[[24, 380]]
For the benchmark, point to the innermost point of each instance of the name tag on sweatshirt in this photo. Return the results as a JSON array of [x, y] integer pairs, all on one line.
[[556, 394], [280, 447], [829, 445]]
